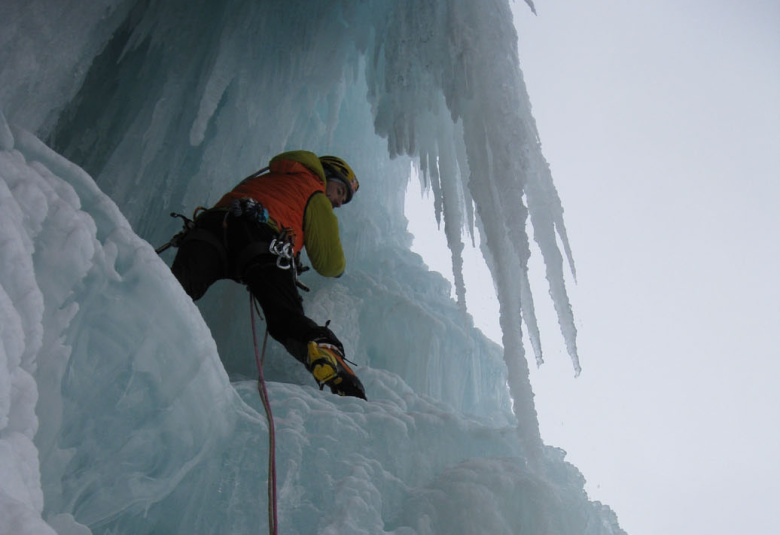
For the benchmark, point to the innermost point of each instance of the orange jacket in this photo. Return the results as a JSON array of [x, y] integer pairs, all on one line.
[[293, 192]]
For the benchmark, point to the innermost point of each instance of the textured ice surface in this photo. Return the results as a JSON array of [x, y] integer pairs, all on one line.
[[124, 408]]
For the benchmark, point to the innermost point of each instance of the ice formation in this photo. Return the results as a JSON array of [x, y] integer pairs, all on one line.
[[125, 408]]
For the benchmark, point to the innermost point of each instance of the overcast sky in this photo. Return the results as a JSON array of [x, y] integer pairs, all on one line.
[[661, 123]]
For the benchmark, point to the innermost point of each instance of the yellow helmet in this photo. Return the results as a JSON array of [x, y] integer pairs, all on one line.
[[337, 169]]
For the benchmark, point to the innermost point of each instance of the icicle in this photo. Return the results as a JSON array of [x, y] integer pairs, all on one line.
[[546, 211]]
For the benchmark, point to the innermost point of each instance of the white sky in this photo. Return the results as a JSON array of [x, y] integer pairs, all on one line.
[[661, 123]]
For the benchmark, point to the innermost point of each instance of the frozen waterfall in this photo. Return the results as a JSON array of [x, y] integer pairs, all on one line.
[[126, 408]]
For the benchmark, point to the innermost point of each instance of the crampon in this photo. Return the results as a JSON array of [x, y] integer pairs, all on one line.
[[329, 368]]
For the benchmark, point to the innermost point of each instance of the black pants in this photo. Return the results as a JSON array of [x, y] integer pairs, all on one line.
[[236, 248]]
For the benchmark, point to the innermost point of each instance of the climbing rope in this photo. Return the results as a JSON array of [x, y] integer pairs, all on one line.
[[272, 518]]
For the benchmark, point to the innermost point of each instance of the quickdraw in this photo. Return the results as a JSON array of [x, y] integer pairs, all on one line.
[[282, 248]]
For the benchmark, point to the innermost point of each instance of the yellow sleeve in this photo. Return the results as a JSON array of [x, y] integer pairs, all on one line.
[[321, 237]]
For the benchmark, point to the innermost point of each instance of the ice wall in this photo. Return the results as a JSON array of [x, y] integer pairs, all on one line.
[[112, 371], [202, 92], [140, 429]]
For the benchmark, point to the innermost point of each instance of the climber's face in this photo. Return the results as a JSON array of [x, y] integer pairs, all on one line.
[[336, 191]]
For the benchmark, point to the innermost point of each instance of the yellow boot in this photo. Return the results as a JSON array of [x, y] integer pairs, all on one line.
[[328, 366]]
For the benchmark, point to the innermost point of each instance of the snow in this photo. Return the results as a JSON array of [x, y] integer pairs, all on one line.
[[126, 408]]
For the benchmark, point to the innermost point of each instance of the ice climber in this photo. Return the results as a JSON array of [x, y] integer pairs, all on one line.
[[254, 236]]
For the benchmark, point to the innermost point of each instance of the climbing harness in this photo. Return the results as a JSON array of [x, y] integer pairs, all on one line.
[[259, 359], [282, 246]]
